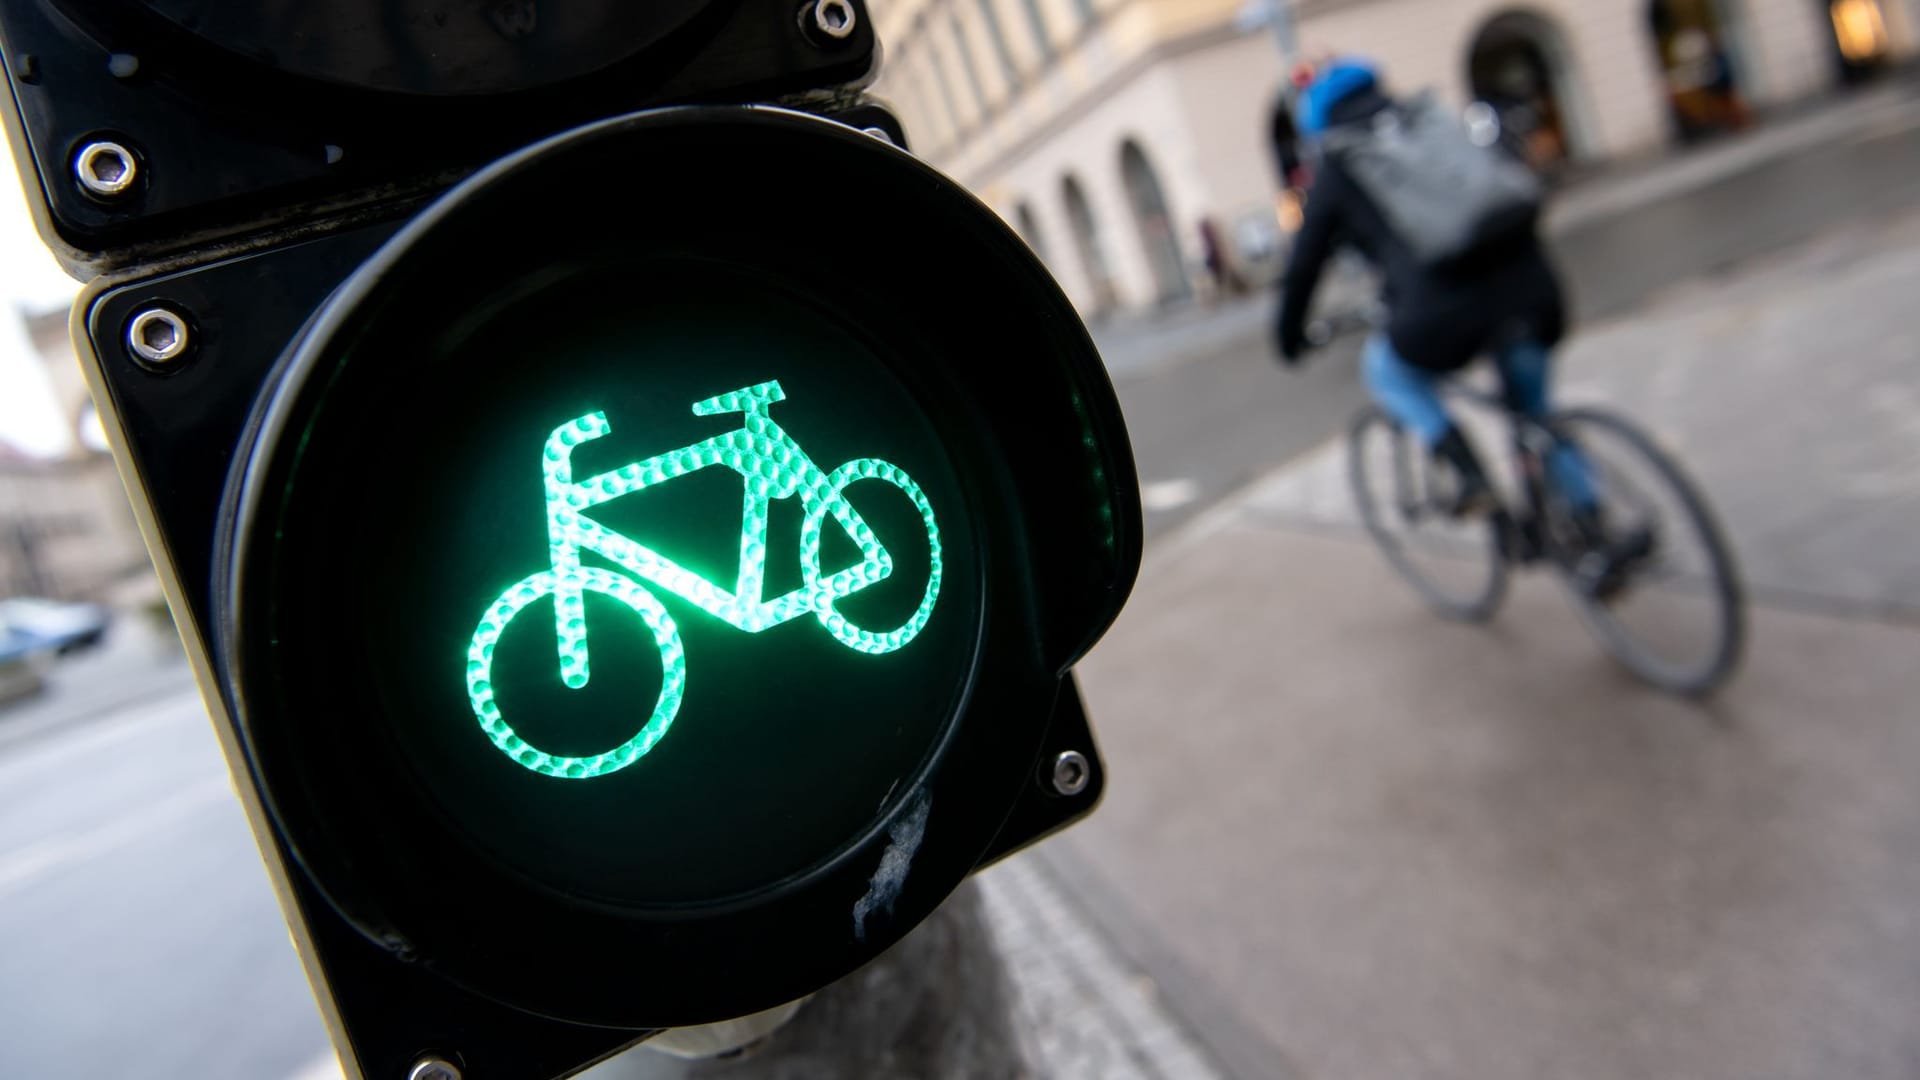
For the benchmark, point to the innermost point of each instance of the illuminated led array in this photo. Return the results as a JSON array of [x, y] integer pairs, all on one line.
[[673, 673], [771, 466], [876, 563]]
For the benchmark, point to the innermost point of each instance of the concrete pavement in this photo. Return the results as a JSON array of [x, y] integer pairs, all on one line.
[[1394, 846], [142, 938], [141, 935], [1400, 847]]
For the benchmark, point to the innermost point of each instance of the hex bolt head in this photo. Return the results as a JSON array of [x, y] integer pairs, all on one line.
[[105, 168], [157, 336], [1071, 773], [829, 20], [433, 1068]]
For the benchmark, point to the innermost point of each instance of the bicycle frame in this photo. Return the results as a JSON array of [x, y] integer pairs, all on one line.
[[1522, 520], [771, 465]]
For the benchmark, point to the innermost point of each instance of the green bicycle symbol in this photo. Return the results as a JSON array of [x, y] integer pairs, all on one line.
[[772, 466]]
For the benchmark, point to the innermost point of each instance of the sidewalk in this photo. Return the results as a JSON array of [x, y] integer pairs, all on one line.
[[1621, 187], [1400, 847], [1394, 846]]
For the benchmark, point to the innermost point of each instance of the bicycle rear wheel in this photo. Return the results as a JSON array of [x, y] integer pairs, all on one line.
[[1456, 564], [1679, 621]]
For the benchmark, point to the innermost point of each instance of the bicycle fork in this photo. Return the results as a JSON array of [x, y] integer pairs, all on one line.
[[565, 501]]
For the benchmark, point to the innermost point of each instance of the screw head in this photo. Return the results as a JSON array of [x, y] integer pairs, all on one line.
[[157, 335], [434, 1068], [834, 18], [1071, 773], [105, 168]]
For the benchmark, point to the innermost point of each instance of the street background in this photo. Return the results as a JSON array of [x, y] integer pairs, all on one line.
[[1341, 838]]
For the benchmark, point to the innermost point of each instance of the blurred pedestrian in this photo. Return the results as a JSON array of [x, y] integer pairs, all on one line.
[[1220, 269], [1285, 130], [1451, 228]]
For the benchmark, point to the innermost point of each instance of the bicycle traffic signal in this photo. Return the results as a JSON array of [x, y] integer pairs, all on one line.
[[635, 588]]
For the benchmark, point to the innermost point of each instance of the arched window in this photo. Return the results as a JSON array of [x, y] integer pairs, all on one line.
[[1038, 22], [1155, 224], [1086, 238], [967, 65], [1694, 43], [944, 80], [991, 17], [1029, 228]]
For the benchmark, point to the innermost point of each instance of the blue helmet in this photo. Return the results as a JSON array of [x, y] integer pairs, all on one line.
[[1334, 83]]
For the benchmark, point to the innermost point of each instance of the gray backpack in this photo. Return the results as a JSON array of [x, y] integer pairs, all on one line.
[[1443, 195]]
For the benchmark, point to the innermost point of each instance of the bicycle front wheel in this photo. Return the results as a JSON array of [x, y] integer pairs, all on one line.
[[660, 627], [1679, 621], [876, 564], [1456, 564]]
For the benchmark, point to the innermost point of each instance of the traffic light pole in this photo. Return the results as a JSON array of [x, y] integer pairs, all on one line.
[[936, 1004]]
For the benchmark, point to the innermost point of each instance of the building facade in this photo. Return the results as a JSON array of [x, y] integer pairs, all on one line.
[[1113, 133], [66, 528]]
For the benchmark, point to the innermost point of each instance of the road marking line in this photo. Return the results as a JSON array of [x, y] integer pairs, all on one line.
[[23, 867], [324, 1067], [1162, 495]]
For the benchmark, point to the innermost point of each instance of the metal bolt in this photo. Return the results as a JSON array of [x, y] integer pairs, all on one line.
[[1071, 773], [157, 335], [434, 1068], [834, 18], [105, 168]]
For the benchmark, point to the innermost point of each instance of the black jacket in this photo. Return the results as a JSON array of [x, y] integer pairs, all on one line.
[[1437, 320]]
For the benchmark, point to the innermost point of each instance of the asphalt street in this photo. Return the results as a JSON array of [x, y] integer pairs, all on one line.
[[140, 935]]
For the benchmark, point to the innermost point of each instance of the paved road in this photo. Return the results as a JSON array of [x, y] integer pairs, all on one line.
[[1206, 420], [141, 936], [142, 940]]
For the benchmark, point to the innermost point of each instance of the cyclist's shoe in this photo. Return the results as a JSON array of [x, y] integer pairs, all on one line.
[[1472, 494], [1608, 560]]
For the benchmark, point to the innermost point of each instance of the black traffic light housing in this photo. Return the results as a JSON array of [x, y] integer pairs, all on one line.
[[250, 117], [330, 406]]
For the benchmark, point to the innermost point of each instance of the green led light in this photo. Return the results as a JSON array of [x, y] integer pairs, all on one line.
[[876, 563], [673, 681], [771, 466]]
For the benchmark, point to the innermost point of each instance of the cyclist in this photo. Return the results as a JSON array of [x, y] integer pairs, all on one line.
[[1450, 227]]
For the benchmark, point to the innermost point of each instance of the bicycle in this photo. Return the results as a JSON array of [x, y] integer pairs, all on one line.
[[1460, 566], [772, 466]]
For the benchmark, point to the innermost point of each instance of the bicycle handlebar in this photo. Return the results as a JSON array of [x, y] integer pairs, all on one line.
[[1322, 331]]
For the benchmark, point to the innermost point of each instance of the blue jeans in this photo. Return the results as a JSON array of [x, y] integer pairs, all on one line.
[[1411, 396]]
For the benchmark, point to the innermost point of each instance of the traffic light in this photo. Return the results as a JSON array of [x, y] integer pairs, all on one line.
[[633, 587]]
